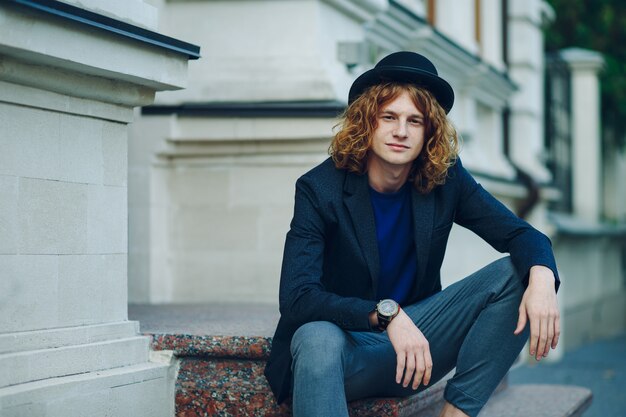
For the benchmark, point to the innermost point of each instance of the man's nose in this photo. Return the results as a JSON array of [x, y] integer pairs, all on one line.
[[401, 130]]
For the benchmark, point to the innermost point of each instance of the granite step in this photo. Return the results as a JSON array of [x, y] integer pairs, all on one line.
[[222, 351], [223, 376]]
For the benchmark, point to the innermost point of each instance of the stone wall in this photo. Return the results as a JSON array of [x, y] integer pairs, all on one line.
[[68, 84]]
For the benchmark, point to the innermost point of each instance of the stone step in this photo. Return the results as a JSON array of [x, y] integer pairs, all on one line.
[[95, 393], [221, 370], [539, 401], [66, 336], [213, 380], [232, 387], [530, 400], [33, 365]]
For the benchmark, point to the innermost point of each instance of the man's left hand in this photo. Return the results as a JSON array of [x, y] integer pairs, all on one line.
[[539, 306]]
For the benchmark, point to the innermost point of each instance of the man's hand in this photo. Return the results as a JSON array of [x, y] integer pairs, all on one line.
[[539, 306], [412, 351]]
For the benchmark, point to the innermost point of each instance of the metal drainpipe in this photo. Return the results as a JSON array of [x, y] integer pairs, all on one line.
[[525, 206]]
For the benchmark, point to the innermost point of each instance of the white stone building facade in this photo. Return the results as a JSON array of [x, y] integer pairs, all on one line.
[[212, 168]]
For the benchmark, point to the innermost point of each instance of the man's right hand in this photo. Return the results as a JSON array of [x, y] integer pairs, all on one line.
[[412, 351]]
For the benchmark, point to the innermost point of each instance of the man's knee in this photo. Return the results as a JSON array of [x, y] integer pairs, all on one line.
[[504, 270], [318, 346]]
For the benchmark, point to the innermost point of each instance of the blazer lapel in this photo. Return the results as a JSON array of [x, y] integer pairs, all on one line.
[[423, 218], [357, 200]]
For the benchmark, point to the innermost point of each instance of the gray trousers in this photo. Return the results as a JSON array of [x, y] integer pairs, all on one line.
[[469, 325]]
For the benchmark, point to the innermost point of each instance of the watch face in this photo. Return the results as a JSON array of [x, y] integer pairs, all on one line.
[[388, 308]]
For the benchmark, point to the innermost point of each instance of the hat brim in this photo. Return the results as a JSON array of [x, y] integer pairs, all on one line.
[[436, 85]]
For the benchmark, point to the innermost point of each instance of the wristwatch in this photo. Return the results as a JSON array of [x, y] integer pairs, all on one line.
[[386, 310]]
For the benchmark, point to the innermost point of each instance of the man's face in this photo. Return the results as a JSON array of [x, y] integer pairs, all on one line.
[[399, 136]]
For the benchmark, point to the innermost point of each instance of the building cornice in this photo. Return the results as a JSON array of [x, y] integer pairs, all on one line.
[[283, 109], [72, 13]]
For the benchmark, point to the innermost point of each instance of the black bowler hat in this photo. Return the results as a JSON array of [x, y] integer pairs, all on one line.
[[407, 67]]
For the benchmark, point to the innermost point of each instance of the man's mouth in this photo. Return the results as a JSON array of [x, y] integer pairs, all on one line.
[[397, 146]]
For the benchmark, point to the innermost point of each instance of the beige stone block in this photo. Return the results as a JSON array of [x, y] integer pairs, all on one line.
[[139, 253], [8, 214], [37, 98], [273, 227], [115, 153], [150, 398], [52, 217], [139, 276], [91, 394], [262, 186], [26, 410], [92, 289], [80, 288], [159, 229], [226, 276], [23, 367], [23, 341], [138, 186], [145, 136], [159, 191], [28, 292], [258, 281], [114, 304], [138, 228], [207, 228], [29, 142], [95, 404], [199, 185], [107, 223], [80, 149]]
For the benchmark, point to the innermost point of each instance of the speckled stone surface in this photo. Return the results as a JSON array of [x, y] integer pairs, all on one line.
[[222, 351], [231, 387], [224, 387]]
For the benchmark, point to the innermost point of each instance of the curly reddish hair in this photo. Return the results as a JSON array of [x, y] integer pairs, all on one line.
[[351, 144]]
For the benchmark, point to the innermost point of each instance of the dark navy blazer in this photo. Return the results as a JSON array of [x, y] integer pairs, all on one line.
[[330, 263]]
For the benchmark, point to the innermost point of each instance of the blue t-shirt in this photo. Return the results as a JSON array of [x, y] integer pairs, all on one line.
[[396, 245]]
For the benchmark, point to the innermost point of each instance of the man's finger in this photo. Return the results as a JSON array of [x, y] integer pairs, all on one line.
[[420, 369], [541, 342], [557, 332], [401, 360], [521, 321], [550, 340], [534, 336], [543, 338], [409, 369], [429, 366]]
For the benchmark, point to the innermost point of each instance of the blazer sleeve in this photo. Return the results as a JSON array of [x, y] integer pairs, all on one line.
[[303, 298], [482, 213]]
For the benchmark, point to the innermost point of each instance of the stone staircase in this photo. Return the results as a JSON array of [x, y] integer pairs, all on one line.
[[222, 351]]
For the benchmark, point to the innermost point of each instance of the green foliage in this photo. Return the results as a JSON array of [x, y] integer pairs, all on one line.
[[599, 25]]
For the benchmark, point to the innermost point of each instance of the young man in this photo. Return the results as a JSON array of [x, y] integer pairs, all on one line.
[[362, 310]]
